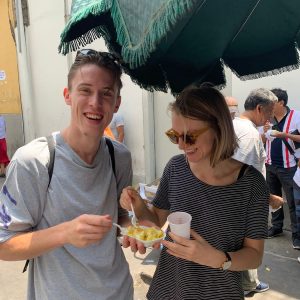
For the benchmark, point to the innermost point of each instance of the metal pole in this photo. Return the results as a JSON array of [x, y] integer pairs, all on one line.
[[19, 19], [67, 17]]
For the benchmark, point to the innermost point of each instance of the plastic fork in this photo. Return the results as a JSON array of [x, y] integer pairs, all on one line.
[[134, 220]]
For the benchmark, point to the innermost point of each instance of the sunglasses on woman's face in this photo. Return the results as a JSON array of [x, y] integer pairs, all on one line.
[[188, 138]]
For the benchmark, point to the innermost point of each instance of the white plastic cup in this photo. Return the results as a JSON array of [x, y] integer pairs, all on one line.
[[180, 223]]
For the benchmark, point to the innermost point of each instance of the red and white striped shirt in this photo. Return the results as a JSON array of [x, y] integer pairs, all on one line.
[[277, 153]]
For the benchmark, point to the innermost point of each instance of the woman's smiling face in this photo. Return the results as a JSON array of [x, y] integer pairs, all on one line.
[[201, 149]]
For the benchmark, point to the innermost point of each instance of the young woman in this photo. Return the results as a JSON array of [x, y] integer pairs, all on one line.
[[228, 202]]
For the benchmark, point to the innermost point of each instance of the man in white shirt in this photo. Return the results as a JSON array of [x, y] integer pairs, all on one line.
[[259, 107]]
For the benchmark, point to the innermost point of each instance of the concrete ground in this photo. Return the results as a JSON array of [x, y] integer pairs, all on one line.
[[280, 268]]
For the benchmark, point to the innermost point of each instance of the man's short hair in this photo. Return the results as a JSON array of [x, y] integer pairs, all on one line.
[[261, 97], [281, 95], [104, 60]]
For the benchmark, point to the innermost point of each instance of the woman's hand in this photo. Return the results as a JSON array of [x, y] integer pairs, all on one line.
[[197, 250], [130, 196]]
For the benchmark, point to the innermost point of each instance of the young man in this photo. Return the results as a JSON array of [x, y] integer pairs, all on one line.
[[66, 228], [259, 107]]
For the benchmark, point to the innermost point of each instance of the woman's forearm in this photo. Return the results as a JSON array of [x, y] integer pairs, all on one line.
[[245, 259]]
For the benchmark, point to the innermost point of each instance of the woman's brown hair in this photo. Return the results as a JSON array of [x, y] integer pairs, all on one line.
[[207, 104]]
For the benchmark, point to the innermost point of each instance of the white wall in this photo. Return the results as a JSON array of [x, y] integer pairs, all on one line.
[[132, 110], [48, 67]]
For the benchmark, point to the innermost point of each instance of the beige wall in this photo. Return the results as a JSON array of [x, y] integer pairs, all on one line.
[[9, 80]]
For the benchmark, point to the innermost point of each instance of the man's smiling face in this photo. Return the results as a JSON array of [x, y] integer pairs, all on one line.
[[93, 97]]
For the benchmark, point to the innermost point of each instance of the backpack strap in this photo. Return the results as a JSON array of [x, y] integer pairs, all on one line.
[[111, 153], [51, 148]]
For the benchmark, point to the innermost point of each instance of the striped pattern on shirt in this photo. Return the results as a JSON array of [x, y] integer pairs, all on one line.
[[277, 153], [223, 216]]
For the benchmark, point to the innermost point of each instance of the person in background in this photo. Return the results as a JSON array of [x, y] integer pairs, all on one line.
[[227, 199], [296, 192], [259, 107], [117, 127], [4, 160], [281, 163], [65, 228], [108, 133], [233, 106]]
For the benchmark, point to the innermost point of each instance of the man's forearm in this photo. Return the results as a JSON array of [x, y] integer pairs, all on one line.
[[293, 137], [32, 244]]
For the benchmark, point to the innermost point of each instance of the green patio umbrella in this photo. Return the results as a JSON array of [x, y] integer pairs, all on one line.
[[173, 43]]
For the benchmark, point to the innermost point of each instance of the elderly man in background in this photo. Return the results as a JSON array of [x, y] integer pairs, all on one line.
[[232, 105], [259, 107]]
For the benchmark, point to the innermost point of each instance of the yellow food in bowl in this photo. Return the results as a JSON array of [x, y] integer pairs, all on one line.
[[144, 233]]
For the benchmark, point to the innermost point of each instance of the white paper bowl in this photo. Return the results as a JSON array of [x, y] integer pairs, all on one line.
[[148, 243]]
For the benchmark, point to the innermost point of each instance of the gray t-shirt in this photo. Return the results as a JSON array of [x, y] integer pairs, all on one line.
[[95, 272]]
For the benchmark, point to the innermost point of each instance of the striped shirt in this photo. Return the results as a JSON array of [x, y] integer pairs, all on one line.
[[223, 216], [277, 153]]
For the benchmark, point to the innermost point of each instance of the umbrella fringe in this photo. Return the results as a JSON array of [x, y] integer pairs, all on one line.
[[137, 55], [266, 73], [95, 9], [166, 18], [150, 88]]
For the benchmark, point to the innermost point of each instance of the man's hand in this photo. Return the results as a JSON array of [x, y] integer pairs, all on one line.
[[86, 230], [267, 126], [275, 201]]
